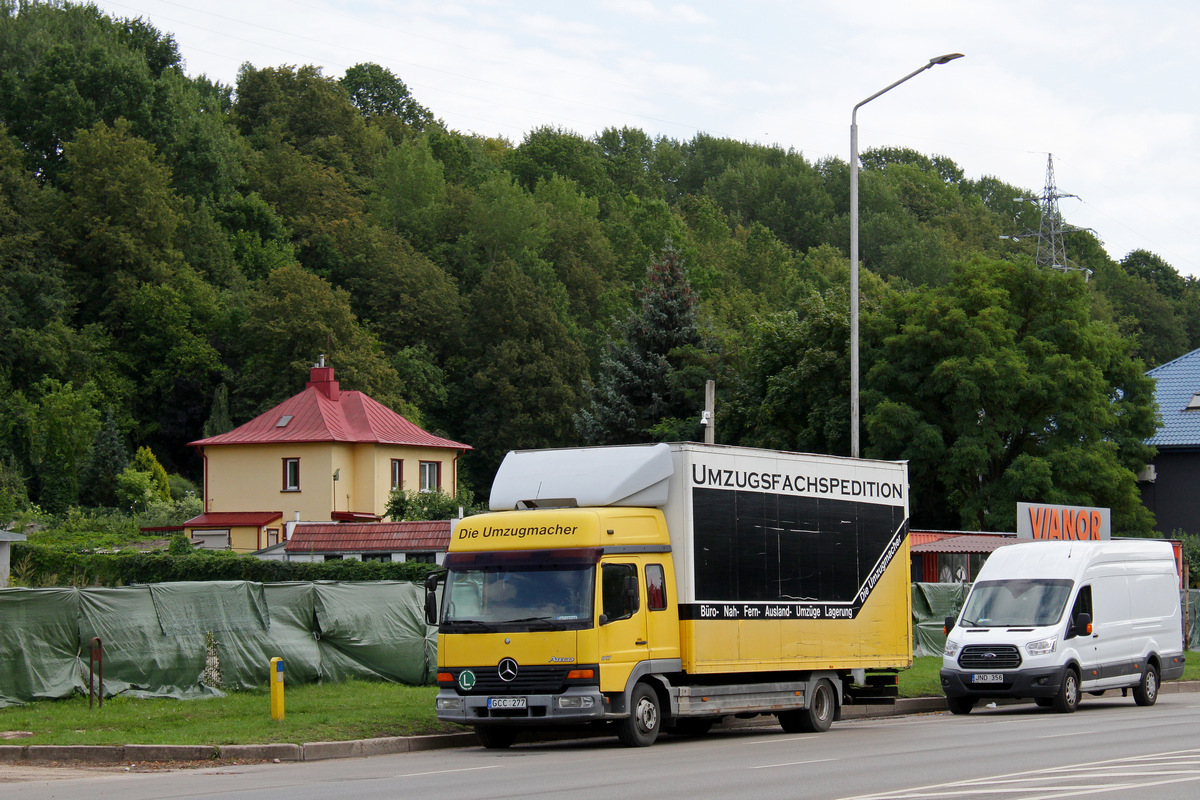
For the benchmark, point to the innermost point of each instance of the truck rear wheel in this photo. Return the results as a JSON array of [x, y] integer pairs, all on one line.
[[640, 728], [495, 737], [817, 714], [1146, 692]]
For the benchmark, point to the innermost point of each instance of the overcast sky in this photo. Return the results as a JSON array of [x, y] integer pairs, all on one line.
[[1108, 86]]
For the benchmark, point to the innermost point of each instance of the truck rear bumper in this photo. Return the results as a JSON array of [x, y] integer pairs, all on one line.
[[1017, 683], [576, 705]]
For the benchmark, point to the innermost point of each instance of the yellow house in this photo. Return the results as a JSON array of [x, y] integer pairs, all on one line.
[[324, 454]]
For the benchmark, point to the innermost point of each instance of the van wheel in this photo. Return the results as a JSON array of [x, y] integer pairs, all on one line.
[[1146, 692], [495, 737], [1067, 699], [640, 728], [960, 705], [816, 716]]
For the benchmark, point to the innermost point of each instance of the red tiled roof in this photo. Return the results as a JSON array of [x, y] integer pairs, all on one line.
[[224, 519], [324, 413], [973, 543], [369, 537]]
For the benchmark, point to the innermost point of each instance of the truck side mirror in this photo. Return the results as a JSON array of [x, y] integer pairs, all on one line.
[[949, 625], [431, 583], [1083, 623]]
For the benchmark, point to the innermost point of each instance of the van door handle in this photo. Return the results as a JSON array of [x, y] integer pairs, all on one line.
[[640, 641]]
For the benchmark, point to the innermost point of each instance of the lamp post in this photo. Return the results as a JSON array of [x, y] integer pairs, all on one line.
[[854, 405]]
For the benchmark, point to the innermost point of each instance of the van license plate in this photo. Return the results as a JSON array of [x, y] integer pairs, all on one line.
[[987, 677], [500, 703]]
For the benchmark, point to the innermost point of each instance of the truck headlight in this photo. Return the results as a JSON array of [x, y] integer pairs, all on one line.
[[1042, 646], [449, 704], [951, 648], [575, 701]]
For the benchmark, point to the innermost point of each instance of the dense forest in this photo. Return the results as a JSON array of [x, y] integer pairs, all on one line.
[[175, 253]]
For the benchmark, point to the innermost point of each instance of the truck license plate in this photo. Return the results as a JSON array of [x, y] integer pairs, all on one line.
[[987, 677], [499, 703]]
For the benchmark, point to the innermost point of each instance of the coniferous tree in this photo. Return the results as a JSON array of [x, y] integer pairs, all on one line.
[[651, 374], [108, 459]]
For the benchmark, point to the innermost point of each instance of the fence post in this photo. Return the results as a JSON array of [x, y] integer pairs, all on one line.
[[96, 668]]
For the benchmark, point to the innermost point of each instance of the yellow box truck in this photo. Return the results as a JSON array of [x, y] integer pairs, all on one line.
[[669, 586]]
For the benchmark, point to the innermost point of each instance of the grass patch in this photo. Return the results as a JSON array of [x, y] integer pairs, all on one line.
[[313, 713]]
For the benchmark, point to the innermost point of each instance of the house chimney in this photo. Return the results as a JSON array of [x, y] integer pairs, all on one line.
[[320, 377]]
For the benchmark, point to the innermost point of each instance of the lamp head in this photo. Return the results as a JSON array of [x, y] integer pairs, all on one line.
[[933, 62]]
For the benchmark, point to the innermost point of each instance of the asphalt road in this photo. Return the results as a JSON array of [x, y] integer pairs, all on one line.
[[1108, 748]]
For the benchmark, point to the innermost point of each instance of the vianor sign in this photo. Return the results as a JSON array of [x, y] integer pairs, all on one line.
[[1077, 523]]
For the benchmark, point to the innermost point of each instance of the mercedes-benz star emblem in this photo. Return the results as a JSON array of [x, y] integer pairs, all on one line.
[[506, 669]]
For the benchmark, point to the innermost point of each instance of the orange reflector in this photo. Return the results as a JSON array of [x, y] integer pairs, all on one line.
[[577, 674], [445, 677]]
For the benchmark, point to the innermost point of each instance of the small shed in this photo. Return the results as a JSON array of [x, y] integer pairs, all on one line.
[[952, 556], [6, 540], [424, 541]]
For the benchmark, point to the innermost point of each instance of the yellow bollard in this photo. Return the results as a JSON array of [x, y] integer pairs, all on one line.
[[277, 688]]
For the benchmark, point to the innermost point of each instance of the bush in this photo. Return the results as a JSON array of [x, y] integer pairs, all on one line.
[[41, 565]]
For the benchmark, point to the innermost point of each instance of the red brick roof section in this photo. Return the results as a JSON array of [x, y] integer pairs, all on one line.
[[224, 519], [323, 413], [965, 544], [369, 537]]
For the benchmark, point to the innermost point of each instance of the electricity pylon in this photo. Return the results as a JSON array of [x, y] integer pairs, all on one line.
[[1050, 250]]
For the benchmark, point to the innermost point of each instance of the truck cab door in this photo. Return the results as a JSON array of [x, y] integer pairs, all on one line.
[[623, 640]]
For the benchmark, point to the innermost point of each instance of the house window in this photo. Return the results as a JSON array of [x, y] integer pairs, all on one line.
[[431, 476], [332, 557], [291, 474], [272, 536], [397, 474], [382, 557], [420, 558]]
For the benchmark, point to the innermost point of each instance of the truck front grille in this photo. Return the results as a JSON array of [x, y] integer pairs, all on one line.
[[529, 680], [988, 657]]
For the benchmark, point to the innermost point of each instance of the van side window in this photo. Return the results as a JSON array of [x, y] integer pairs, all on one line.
[[619, 591], [1083, 605], [656, 587]]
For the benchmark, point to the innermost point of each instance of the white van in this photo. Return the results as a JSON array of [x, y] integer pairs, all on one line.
[[1049, 620]]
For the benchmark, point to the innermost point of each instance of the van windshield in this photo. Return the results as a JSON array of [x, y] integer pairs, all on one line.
[[1016, 603]]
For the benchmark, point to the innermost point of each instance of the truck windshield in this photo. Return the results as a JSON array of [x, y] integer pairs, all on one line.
[[518, 597], [1016, 603]]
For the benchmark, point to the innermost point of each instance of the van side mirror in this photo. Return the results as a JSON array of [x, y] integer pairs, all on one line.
[[949, 625], [1083, 623]]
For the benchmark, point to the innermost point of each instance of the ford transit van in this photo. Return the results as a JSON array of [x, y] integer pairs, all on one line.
[[1049, 620]]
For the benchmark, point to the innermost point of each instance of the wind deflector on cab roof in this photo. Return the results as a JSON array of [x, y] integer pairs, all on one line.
[[627, 475]]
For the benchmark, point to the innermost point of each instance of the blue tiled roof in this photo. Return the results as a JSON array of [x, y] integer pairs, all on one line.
[[1176, 382]]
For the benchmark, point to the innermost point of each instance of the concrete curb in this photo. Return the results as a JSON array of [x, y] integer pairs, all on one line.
[[358, 748]]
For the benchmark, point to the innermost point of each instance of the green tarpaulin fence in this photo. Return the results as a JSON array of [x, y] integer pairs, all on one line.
[[194, 639], [188, 640]]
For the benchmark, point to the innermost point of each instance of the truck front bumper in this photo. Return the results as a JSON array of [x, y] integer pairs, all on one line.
[[576, 705], [1044, 682]]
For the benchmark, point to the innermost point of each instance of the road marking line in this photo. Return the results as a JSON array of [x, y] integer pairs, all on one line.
[[794, 763], [445, 771]]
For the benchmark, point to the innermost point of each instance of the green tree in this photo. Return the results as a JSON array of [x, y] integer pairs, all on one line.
[[385, 100], [406, 504], [63, 425], [108, 459], [1000, 387], [517, 378], [641, 382], [145, 461]]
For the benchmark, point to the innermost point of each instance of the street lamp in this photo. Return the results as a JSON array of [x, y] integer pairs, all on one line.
[[854, 406]]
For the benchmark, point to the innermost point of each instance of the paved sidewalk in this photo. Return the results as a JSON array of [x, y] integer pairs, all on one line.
[[317, 751]]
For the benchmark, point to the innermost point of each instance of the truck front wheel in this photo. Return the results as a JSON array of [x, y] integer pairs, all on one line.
[[1067, 699], [640, 728], [495, 737], [817, 714]]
